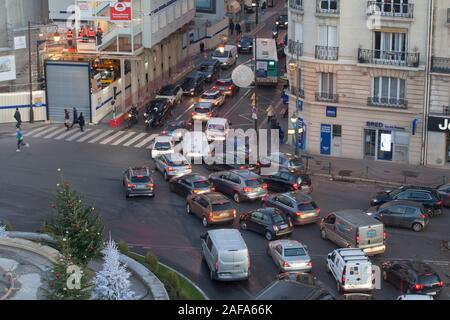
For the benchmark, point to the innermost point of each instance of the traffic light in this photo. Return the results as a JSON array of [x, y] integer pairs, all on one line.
[[254, 99]]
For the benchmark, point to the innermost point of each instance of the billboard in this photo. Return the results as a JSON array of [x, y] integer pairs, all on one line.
[[120, 10], [7, 68]]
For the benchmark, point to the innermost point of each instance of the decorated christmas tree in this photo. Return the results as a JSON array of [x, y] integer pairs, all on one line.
[[76, 224], [112, 282]]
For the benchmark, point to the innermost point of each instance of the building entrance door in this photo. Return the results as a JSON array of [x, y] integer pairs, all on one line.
[[370, 142]]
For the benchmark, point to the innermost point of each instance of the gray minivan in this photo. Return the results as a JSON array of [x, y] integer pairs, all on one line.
[[354, 229], [226, 255]]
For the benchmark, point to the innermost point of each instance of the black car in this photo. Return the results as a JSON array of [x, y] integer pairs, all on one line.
[[444, 192], [177, 129], [226, 87], [412, 277], [210, 69], [282, 161], [190, 184], [429, 197], [138, 182], [401, 213], [193, 84], [225, 162], [270, 222], [245, 45], [157, 111], [282, 21], [285, 181]]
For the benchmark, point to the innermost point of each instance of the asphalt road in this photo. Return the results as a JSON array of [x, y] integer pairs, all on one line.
[[28, 183]]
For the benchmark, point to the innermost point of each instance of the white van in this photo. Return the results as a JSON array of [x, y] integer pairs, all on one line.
[[351, 269], [227, 55], [195, 145], [226, 255], [217, 129]]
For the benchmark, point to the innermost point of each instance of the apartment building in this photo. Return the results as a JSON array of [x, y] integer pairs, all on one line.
[[437, 142], [357, 72]]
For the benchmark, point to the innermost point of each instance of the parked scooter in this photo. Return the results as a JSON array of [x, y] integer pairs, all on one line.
[[133, 116]]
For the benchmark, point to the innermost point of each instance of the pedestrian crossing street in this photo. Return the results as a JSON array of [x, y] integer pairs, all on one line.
[[124, 138]]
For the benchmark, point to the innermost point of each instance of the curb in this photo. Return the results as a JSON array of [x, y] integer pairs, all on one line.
[[181, 275], [353, 179]]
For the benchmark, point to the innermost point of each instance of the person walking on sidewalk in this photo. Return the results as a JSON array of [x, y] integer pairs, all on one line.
[[67, 119], [238, 28], [231, 27], [81, 122], [270, 114], [20, 141], [18, 118], [75, 117]]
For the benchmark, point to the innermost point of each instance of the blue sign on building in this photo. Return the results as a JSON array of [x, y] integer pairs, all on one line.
[[331, 112], [325, 139], [299, 105]]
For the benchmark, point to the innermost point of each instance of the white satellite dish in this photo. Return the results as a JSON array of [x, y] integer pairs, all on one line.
[[243, 76]]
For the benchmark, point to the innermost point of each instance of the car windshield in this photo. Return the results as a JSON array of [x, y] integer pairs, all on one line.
[[428, 279], [201, 184], [162, 146], [205, 68], [202, 109], [222, 206], [223, 83], [247, 40], [253, 182], [219, 127], [295, 162], [210, 96], [294, 252], [278, 219], [219, 54], [173, 127], [189, 82], [306, 206], [178, 163], [140, 179]]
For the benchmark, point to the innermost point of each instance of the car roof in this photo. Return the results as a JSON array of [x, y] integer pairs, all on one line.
[[269, 211], [227, 239], [402, 203], [422, 188], [299, 196], [194, 177], [169, 86], [163, 139], [217, 121], [244, 173], [356, 216], [175, 157], [216, 198], [286, 243], [289, 290], [140, 171], [211, 92], [224, 80]]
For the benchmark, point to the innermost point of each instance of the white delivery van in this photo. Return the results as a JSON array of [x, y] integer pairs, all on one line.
[[227, 55], [195, 145], [217, 129], [351, 269]]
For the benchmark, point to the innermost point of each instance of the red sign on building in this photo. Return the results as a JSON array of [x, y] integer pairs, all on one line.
[[120, 10]]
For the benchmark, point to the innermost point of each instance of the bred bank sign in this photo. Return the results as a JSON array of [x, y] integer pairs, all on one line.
[[438, 124]]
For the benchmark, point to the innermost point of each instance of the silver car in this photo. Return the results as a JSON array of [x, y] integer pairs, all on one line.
[[290, 255], [173, 165], [215, 97]]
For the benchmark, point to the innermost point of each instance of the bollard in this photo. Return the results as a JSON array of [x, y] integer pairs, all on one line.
[[367, 172], [329, 167], [307, 165]]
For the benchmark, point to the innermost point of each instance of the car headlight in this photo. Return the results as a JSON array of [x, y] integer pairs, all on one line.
[[239, 45], [209, 76], [286, 22], [145, 114], [277, 22]]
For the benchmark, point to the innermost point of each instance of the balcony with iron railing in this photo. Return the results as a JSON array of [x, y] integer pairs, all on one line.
[[440, 65], [389, 9], [296, 6], [327, 97], [295, 48], [390, 58], [327, 53], [295, 91], [443, 111], [328, 7], [386, 102]]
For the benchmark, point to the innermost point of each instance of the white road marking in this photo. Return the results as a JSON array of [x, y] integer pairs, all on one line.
[[27, 134], [104, 134], [89, 135], [236, 104], [145, 141], [130, 142], [51, 135], [64, 135], [76, 135], [111, 138], [128, 135], [50, 129]]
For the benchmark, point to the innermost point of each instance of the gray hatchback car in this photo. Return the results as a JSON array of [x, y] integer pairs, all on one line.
[[239, 184], [138, 182], [172, 165]]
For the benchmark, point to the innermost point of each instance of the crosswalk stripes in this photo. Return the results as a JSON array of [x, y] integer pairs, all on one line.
[[76, 135], [64, 135], [89, 135], [46, 131], [122, 139], [55, 133], [27, 134], [135, 139], [111, 138], [146, 141], [104, 134]]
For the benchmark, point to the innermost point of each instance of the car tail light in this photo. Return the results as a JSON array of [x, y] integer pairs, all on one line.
[[247, 190], [286, 264], [190, 166], [150, 185], [163, 132], [418, 287], [169, 169], [210, 114], [242, 167], [299, 214], [194, 113], [140, 177], [215, 88], [234, 213], [210, 214], [275, 228], [230, 88], [384, 235], [213, 188], [423, 216], [343, 280], [309, 264], [439, 203], [130, 185], [248, 263], [295, 186], [264, 186], [217, 265], [357, 239], [440, 283], [196, 191], [318, 210]]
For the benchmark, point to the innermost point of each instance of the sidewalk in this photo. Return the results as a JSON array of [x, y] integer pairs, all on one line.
[[372, 171]]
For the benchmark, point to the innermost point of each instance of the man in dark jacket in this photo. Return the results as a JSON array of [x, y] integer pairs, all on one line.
[[81, 122], [18, 118], [75, 117]]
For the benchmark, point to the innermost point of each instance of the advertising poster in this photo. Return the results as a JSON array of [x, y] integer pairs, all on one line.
[[386, 142], [120, 10], [7, 68]]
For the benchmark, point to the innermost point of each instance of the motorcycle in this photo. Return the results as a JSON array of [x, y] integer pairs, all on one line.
[[275, 33], [151, 118], [133, 117]]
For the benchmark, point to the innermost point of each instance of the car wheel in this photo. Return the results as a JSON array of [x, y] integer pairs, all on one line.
[[236, 197], [188, 209], [243, 225], [166, 176], [205, 222], [385, 276], [269, 236], [417, 227], [212, 275], [323, 234]]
